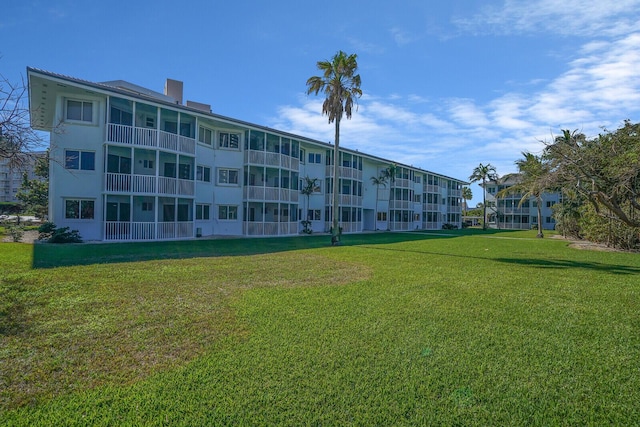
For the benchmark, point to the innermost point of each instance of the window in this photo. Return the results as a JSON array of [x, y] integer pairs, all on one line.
[[78, 209], [118, 164], [228, 176], [80, 160], [80, 111], [147, 206], [550, 204], [303, 155], [315, 158], [382, 216], [228, 140], [203, 173], [147, 164], [205, 135], [313, 215], [184, 171], [202, 211], [227, 212]]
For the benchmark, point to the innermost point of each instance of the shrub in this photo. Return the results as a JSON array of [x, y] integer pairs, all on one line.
[[16, 232], [48, 232]]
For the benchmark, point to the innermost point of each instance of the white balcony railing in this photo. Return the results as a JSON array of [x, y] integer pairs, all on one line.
[[276, 160], [126, 183], [344, 200], [270, 228], [146, 137], [141, 231]]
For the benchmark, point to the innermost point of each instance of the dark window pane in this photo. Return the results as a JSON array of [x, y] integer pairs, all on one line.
[[72, 159], [87, 160], [74, 110], [72, 209], [86, 209]]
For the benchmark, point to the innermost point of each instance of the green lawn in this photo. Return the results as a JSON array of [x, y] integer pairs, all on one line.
[[456, 328]]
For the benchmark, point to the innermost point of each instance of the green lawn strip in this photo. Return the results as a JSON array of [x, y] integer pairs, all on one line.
[[431, 331]]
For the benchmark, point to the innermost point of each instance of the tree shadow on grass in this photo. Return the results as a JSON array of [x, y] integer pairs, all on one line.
[[51, 255], [564, 264]]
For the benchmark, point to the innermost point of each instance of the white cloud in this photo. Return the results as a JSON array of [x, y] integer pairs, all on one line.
[[567, 17], [600, 87]]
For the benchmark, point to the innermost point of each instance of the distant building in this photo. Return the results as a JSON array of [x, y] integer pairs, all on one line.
[[507, 213], [11, 176], [132, 164]]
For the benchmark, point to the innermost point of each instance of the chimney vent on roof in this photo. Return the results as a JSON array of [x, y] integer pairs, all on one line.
[[173, 88]]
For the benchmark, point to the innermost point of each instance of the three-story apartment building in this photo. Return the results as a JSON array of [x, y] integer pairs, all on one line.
[[131, 164], [507, 212]]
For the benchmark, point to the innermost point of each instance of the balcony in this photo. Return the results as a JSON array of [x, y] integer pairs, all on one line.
[[147, 231], [274, 194], [431, 188], [276, 160], [270, 228], [400, 204], [344, 200], [345, 172], [131, 135], [148, 184]]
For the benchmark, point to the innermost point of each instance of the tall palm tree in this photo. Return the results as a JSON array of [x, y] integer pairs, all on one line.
[[378, 181], [533, 180], [466, 196], [484, 173], [341, 86]]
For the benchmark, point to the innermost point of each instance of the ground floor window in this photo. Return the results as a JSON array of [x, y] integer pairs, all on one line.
[[202, 212], [382, 216], [313, 215], [79, 209], [227, 212]]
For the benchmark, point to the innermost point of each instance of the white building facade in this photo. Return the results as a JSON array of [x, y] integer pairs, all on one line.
[[130, 164], [508, 213]]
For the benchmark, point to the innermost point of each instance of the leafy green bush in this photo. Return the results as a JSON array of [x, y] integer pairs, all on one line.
[[48, 232], [16, 232]]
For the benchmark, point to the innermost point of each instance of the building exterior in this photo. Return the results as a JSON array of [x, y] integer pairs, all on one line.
[[507, 212], [131, 164], [11, 175]]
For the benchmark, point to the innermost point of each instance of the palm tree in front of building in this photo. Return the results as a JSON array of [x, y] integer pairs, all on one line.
[[484, 173], [378, 181], [341, 87], [533, 179], [466, 196]]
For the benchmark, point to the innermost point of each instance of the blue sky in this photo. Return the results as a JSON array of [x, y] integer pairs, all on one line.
[[447, 85]]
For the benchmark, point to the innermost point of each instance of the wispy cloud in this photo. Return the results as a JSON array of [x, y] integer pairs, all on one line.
[[600, 87], [568, 18]]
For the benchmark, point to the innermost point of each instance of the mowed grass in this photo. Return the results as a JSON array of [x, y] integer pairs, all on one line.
[[459, 328]]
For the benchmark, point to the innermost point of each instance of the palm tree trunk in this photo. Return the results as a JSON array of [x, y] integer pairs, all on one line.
[[335, 232], [539, 202], [484, 204]]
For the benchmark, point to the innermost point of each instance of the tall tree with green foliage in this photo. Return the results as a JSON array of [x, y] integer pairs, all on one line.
[[341, 87], [604, 170], [378, 181], [308, 187], [484, 173], [467, 195], [533, 181], [34, 193]]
